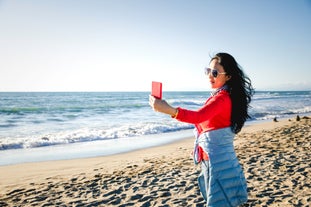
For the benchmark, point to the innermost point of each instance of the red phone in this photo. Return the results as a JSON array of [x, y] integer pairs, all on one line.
[[156, 89]]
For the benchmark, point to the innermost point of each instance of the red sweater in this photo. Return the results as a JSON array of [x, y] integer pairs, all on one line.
[[214, 114]]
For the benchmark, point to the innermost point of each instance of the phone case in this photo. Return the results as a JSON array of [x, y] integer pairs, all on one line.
[[156, 89]]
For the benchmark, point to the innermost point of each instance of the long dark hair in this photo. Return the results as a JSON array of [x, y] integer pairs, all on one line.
[[240, 89]]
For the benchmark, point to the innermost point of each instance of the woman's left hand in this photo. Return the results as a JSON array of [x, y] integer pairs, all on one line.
[[162, 106]]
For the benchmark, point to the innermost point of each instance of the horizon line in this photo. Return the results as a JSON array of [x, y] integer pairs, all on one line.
[[135, 91]]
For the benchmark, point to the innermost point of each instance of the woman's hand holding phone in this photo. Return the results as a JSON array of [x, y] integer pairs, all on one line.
[[156, 102]]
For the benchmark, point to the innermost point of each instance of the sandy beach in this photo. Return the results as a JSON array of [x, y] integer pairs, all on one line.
[[276, 158]]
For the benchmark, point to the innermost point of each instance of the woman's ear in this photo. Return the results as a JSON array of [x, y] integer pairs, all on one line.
[[228, 77]]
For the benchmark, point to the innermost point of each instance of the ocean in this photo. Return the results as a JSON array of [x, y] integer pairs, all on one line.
[[41, 126]]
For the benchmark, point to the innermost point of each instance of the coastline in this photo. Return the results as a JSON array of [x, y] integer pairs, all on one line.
[[276, 166], [91, 149]]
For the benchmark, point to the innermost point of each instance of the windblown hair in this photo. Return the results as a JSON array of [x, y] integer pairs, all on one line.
[[240, 89]]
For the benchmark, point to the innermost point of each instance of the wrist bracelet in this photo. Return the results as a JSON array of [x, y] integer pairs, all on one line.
[[175, 115]]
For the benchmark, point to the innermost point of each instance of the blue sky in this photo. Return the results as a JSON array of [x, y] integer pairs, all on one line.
[[101, 45]]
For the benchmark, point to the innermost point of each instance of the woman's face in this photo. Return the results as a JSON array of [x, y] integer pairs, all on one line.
[[221, 79]]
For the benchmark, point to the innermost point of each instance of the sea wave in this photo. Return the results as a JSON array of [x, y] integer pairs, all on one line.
[[20, 110], [277, 95], [281, 113], [103, 108], [187, 103], [87, 135]]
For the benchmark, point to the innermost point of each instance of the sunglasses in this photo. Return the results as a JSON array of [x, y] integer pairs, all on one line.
[[214, 72]]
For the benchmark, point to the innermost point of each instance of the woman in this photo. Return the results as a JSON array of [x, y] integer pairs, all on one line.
[[222, 182]]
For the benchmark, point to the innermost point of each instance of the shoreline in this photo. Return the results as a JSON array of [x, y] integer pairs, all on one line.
[[99, 148], [166, 174], [84, 150]]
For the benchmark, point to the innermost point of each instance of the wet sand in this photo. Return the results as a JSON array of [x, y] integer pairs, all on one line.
[[276, 158]]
